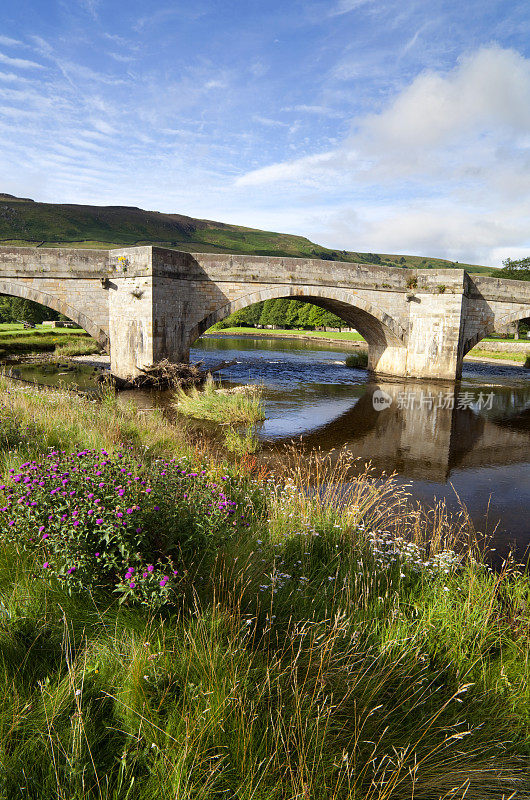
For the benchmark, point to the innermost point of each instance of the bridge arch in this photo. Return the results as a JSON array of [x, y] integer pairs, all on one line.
[[15, 289], [374, 324], [489, 327]]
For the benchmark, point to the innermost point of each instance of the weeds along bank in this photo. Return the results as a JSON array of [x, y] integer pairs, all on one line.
[[170, 623]]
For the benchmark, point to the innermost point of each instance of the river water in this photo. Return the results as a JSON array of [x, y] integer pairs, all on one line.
[[470, 441]]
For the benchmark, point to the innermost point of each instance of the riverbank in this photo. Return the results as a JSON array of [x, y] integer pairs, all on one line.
[[296, 648], [351, 337]]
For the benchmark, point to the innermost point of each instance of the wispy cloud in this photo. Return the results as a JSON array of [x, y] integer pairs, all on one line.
[[19, 63], [271, 123], [7, 41], [345, 6]]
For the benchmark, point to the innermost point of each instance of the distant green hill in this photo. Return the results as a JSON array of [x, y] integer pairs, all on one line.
[[25, 222]]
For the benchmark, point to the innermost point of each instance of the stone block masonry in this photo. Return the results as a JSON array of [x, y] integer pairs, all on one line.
[[149, 303]]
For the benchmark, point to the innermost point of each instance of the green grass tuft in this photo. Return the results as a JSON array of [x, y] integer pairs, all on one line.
[[357, 360], [225, 406]]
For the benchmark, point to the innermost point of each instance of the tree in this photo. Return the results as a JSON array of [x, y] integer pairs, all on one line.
[[16, 309], [515, 269], [292, 316], [266, 313], [278, 314]]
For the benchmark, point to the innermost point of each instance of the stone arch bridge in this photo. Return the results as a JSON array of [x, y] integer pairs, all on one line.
[[148, 303]]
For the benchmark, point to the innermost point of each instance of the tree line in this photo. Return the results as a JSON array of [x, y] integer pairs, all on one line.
[[16, 309], [283, 313]]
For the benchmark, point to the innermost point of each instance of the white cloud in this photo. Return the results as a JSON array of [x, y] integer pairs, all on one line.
[[21, 63], [436, 123], [443, 168], [7, 41]]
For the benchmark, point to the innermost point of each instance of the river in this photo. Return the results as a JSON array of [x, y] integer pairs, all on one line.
[[469, 442]]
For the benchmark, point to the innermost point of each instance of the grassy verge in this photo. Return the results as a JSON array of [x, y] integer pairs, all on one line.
[[77, 347], [518, 358], [315, 649], [15, 341], [347, 336]]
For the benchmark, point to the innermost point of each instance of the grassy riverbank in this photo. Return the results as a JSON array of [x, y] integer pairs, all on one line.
[[300, 648], [503, 355], [346, 336], [17, 341]]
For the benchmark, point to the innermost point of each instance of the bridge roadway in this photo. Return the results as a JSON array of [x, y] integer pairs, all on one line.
[[149, 303]]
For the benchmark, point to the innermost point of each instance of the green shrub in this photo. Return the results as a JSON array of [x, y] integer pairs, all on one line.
[[357, 360], [99, 521]]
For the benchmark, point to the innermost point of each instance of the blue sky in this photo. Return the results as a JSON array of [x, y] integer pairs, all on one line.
[[363, 124]]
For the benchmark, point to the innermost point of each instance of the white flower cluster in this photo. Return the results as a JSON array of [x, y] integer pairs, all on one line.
[[389, 551]]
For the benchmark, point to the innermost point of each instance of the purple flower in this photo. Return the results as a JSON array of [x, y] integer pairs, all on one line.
[[46, 564], [45, 535], [97, 555], [99, 522], [132, 584]]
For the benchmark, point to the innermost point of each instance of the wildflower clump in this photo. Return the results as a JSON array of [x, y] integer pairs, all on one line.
[[103, 521]]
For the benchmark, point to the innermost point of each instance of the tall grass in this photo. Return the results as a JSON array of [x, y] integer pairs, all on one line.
[[335, 650], [79, 347], [226, 406]]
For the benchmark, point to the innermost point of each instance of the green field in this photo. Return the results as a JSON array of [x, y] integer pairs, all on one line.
[[24, 222]]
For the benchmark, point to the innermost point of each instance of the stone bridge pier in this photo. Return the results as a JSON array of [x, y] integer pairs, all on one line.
[[150, 303]]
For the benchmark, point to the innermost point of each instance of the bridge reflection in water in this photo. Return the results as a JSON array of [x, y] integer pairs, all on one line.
[[426, 439]]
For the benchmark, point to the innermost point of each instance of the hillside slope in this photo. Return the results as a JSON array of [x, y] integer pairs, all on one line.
[[26, 222]]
